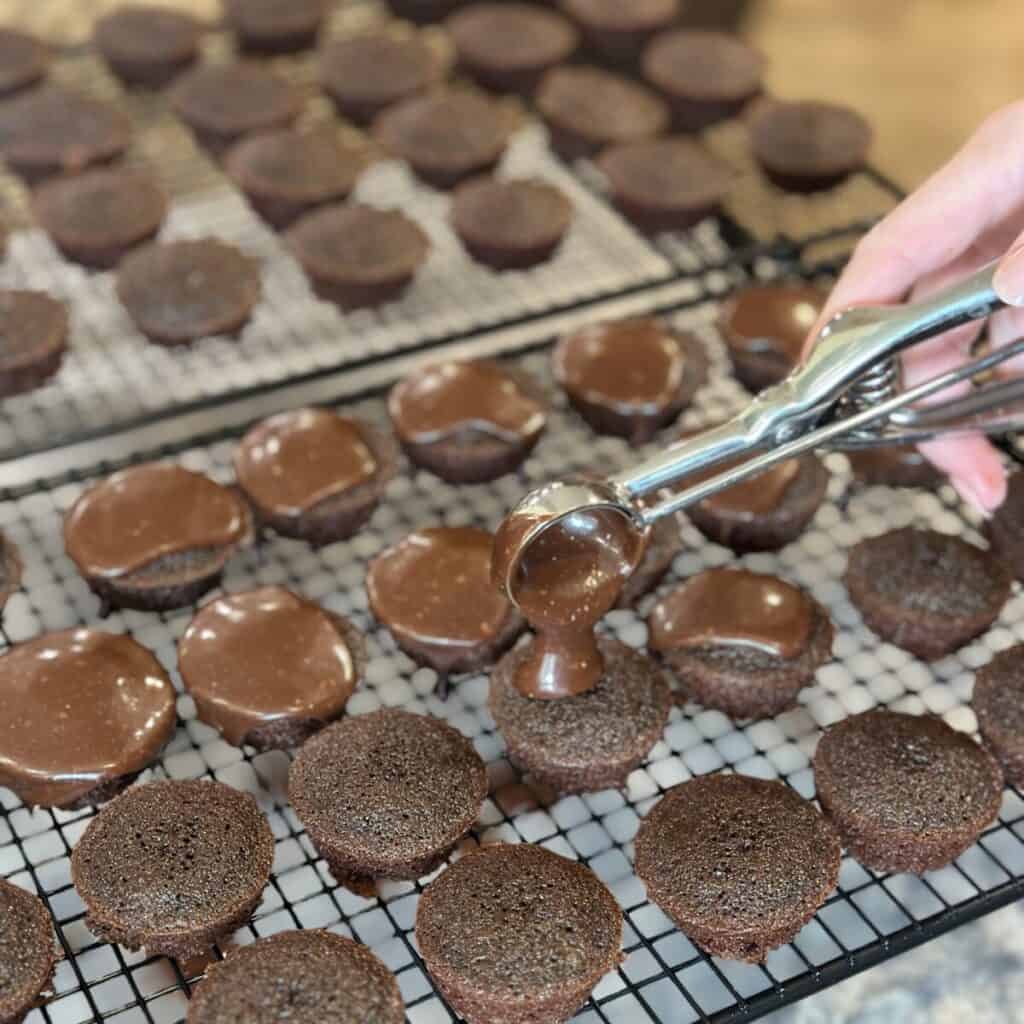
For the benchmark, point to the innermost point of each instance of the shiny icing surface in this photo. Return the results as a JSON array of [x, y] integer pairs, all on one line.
[[772, 318]]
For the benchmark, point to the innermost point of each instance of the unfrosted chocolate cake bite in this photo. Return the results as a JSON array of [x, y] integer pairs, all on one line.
[[270, 26], [147, 44], [314, 475], [740, 864], [303, 977], [617, 32], [24, 61], [155, 536], [173, 866], [518, 934], [33, 339], [28, 952], [998, 704], [267, 668], [905, 792], [423, 12], [741, 642], [927, 592], [11, 570], [1004, 529]]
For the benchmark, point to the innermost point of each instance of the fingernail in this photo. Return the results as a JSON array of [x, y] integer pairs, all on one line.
[[1008, 280]]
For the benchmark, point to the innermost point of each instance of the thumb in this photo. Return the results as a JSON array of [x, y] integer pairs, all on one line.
[[1009, 276]]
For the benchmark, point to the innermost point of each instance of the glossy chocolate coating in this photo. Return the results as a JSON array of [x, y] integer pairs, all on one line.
[[146, 513], [771, 317], [295, 460], [734, 607], [756, 496], [81, 708], [265, 656]]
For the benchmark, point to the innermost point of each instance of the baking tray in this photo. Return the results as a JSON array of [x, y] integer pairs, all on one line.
[[664, 977]]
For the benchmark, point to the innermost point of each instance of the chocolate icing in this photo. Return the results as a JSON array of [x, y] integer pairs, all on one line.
[[80, 708], [446, 399], [259, 657], [295, 460], [148, 512], [734, 607], [772, 317], [756, 496]]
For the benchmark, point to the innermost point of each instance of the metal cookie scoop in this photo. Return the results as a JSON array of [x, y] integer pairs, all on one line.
[[845, 394]]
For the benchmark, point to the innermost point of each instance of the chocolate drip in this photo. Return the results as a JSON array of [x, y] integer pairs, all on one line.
[[772, 317]]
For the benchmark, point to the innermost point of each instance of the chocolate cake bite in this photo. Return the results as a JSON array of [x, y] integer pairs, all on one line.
[[808, 146], [467, 422], [587, 109], [740, 864], [24, 61], [508, 46], [269, 26], [740, 642], [147, 44], [109, 709], [510, 225], [27, 952], [517, 934], [764, 327], [358, 256], [10, 571], [366, 73], [446, 136], [305, 977], [178, 292], [33, 339], [386, 794], [173, 866], [433, 591], [630, 378], [894, 466], [223, 103], [1004, 529], [267, 668], [663, 541], [998, 704], [924, 591], [705, 76], [314, 475], [423, 12], [665, 184], [617, 32], [95, 218], [905, 792], [155, 536], [52, 130]]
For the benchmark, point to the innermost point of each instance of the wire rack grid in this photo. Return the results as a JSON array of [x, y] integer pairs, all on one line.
[[664, 977]]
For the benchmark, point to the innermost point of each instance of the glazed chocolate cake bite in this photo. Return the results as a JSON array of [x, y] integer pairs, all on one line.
[[366, 73], [808, 146], [386, 794], [508, 46], [617, 32], [998, 704], [764, 327], [905, 792], [269, 26], [52, 130], [289, 173], [305, 977], [433, 591], [27, 952], [33, 339], [267, 669], [223, 103], [587, 109], [178, 292], [11, 571], [24, 60], [1004, 529], [924, 591], [516, 933], [155, 536], [358, 256], [740, 864], [705, 76], [665, 184], [510, 225], [95, 218], [740, 642], [314, 475], [630, 378], [109, 709], [467, 422], [894, 466], [173, 866], [147, 44], [446, 136]]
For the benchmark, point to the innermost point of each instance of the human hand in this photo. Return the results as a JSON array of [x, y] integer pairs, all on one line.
[[967, 214]]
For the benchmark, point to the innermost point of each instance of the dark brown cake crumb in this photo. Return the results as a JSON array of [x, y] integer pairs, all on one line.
[[740, 864], [147, 44], [173, 866], [304, 977], [10, 570], [617, 32], [24, 60], [905, 792], [998, 703], [386, 794], [924, 591], [894, 466], [1005, 529], [33, 340], [270, 26], [27, 951], [517, 934]]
